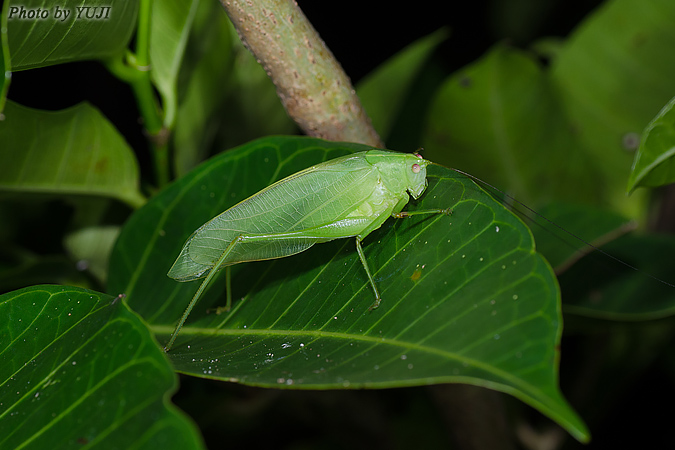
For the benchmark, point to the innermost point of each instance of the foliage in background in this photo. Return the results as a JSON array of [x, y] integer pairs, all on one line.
[[555, 125]]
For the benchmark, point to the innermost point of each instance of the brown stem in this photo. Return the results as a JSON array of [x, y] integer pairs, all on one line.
[[312, 86]]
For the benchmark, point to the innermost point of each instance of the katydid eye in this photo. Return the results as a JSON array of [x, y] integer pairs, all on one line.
[[416, 168]]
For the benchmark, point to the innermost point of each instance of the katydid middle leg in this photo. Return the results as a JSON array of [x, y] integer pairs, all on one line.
[[362, 256]]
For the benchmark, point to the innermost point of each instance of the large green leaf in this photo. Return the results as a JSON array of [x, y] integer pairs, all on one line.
[[90, 31], [614, 74], [80, 369], [499, 120], [73, 151], [465, 298], [169, 31], [524, 128], [654, 164]]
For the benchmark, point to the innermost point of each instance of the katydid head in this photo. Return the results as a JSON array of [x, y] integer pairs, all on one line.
[[416, 174]]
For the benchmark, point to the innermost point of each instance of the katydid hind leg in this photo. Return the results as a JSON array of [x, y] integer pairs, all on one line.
[[362, 256], [221, 260], [201, 289], [406, 214]]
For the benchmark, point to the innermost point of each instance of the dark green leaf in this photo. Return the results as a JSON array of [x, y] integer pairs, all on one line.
[[30, 269], [614, 75], [56, 39], [28, 253], [465, 298], [73, 151], [79, 369], [587, 223], [520, 20], [600, 287], [499, 120], [654, 164], [169, 31], [91, 247], [90, 237]]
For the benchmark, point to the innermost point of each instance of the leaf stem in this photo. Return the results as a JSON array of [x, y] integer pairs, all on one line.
[[311, 84], [134, 69], [5, 62]]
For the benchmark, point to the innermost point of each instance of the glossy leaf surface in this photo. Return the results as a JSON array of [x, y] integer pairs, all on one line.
[[79, 369], [89, 31]]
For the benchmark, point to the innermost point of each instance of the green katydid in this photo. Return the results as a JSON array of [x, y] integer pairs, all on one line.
[[350, 196]]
